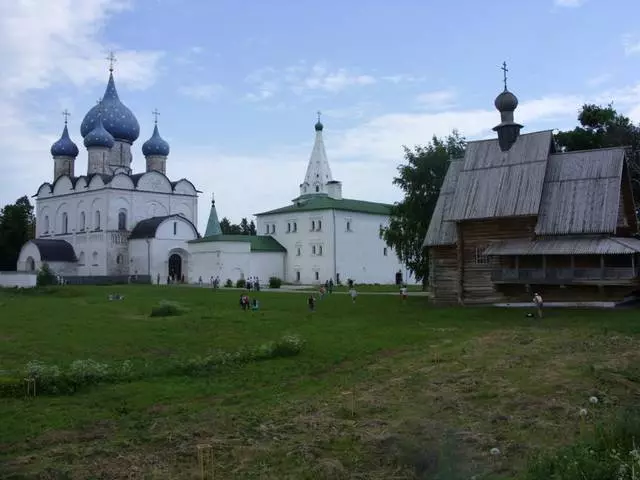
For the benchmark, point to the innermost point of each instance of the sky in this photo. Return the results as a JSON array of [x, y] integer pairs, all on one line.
[[238, 82]]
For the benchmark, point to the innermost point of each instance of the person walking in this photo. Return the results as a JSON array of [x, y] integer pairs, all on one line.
[[353, 294], [537, 300]]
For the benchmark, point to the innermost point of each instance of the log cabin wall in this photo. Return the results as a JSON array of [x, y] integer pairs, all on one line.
[[443, 274], [476, 236]]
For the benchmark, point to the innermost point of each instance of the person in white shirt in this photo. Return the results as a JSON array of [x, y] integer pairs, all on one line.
[[353, 294], [537, 300]]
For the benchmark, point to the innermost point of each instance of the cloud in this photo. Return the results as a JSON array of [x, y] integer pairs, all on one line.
[[439, 99], [631, 44], [302, 79], [569, 3], [203, 91]]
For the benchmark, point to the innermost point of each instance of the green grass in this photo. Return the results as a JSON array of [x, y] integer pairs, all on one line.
[[381, 389]]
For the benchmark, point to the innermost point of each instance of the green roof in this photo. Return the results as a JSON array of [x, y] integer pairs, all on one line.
[[259, 243], [323, 202]]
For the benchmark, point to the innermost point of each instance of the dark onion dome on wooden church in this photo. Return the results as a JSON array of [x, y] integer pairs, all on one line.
[[99, 136], [116, 117], [64, 146], [156, 145], [506, 103]]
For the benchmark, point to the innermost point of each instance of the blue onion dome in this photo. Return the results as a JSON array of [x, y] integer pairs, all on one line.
[[99, 137], [64, 147], [506, 101], [116, 117], [156, 145]]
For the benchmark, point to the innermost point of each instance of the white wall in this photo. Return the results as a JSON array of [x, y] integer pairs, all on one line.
[[357, 254], [18, 279], [28, 251], [267, 264], [219, 259]]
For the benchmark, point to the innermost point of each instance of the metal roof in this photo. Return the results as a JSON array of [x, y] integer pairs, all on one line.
[[324, 202], [259, 243], [442, 231], [147, 228], [494, 183], [581, 192], [54, 250], [566, 246]]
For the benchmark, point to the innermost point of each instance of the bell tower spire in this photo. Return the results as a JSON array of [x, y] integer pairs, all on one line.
[[318, 170]]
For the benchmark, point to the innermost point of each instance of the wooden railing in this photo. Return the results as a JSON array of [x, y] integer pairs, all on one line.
[[562, 275]]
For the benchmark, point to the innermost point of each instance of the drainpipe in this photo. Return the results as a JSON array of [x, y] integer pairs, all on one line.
[[149, 258], [335, 247]]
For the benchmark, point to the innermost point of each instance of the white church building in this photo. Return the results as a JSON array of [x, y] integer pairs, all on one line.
[[110, 224]]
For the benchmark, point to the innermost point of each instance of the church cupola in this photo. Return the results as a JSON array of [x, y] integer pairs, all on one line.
[[98, 142], [156, 149], [64, 153], [117, 119], [318, 179], [213, 224], [506, 103]]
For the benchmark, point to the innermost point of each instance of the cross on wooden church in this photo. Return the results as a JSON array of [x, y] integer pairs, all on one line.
[[112, 60], [504, 71], [66, 115], [155, 113], [319, 114]]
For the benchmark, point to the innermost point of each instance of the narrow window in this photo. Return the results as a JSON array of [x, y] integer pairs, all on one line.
[[384, 251], [295, 227], [119, 259], [288, 227], [83, 221], [298, 253], [313, 225], [319, 225], [297, 276], [175, 228], [266, 228], [481, 258], [65, 223], [97, 220], [273, 228], [122, 221], [317, 188], [319, 249], [313, 249], [348, 226], [317, 275], [46, 224], [94, 258]]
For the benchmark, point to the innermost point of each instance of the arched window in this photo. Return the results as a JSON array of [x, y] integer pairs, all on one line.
[[81, 258], [122, 221], [94, 258], [46, 224], [119, 259], [83, 221], [317, 188], [97, 221], [65, 223]]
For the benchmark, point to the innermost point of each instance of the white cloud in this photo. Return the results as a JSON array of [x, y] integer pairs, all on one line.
[[569, 3], [439, 99], [203, 91], [631, 44]]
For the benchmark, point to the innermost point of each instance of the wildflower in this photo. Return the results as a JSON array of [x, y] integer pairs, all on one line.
[[495, 451], [582, 412], [593, 400]]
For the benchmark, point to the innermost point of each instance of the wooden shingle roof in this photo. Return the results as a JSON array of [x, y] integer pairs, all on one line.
[[442, 231]]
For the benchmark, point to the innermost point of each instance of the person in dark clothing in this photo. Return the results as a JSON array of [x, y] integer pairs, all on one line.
[[311, 301]]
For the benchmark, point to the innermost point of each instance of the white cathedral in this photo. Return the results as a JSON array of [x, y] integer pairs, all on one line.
[[111, 224]]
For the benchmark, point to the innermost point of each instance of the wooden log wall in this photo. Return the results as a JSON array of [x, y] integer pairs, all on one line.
[[476, 235], [569, 293], [443, 274]]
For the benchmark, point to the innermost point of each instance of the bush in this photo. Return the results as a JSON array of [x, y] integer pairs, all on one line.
[[167, 309], [242, 283], [275, 282], [228, 283], [46, 277]]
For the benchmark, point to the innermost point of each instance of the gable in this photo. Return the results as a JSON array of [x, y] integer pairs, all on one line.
[[493, 183], [442, 231], [581, 192]]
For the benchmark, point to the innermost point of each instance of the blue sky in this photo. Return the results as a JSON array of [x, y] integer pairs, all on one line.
[[238, 82]]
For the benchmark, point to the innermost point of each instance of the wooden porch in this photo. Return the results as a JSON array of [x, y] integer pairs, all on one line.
[[566, 276]]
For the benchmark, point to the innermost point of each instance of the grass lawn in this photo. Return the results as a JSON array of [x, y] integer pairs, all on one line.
[[381, 389]]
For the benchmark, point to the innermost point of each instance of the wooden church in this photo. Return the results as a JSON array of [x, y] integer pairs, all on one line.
[[515, 216]]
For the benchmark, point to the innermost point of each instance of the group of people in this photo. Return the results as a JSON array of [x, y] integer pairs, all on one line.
[[248, 304], [253, 283]]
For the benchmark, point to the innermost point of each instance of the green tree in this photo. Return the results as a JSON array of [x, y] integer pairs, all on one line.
[[17, 225], [602, 127], [420, 178]]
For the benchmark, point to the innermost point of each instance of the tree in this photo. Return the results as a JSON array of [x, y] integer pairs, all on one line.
[[420, 178], [602, 127], [244, 228], [17, 225]]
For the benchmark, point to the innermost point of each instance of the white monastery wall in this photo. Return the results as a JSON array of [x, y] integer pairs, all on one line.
[[219, 259], [18, 279], [29, 258], [267, 264]]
